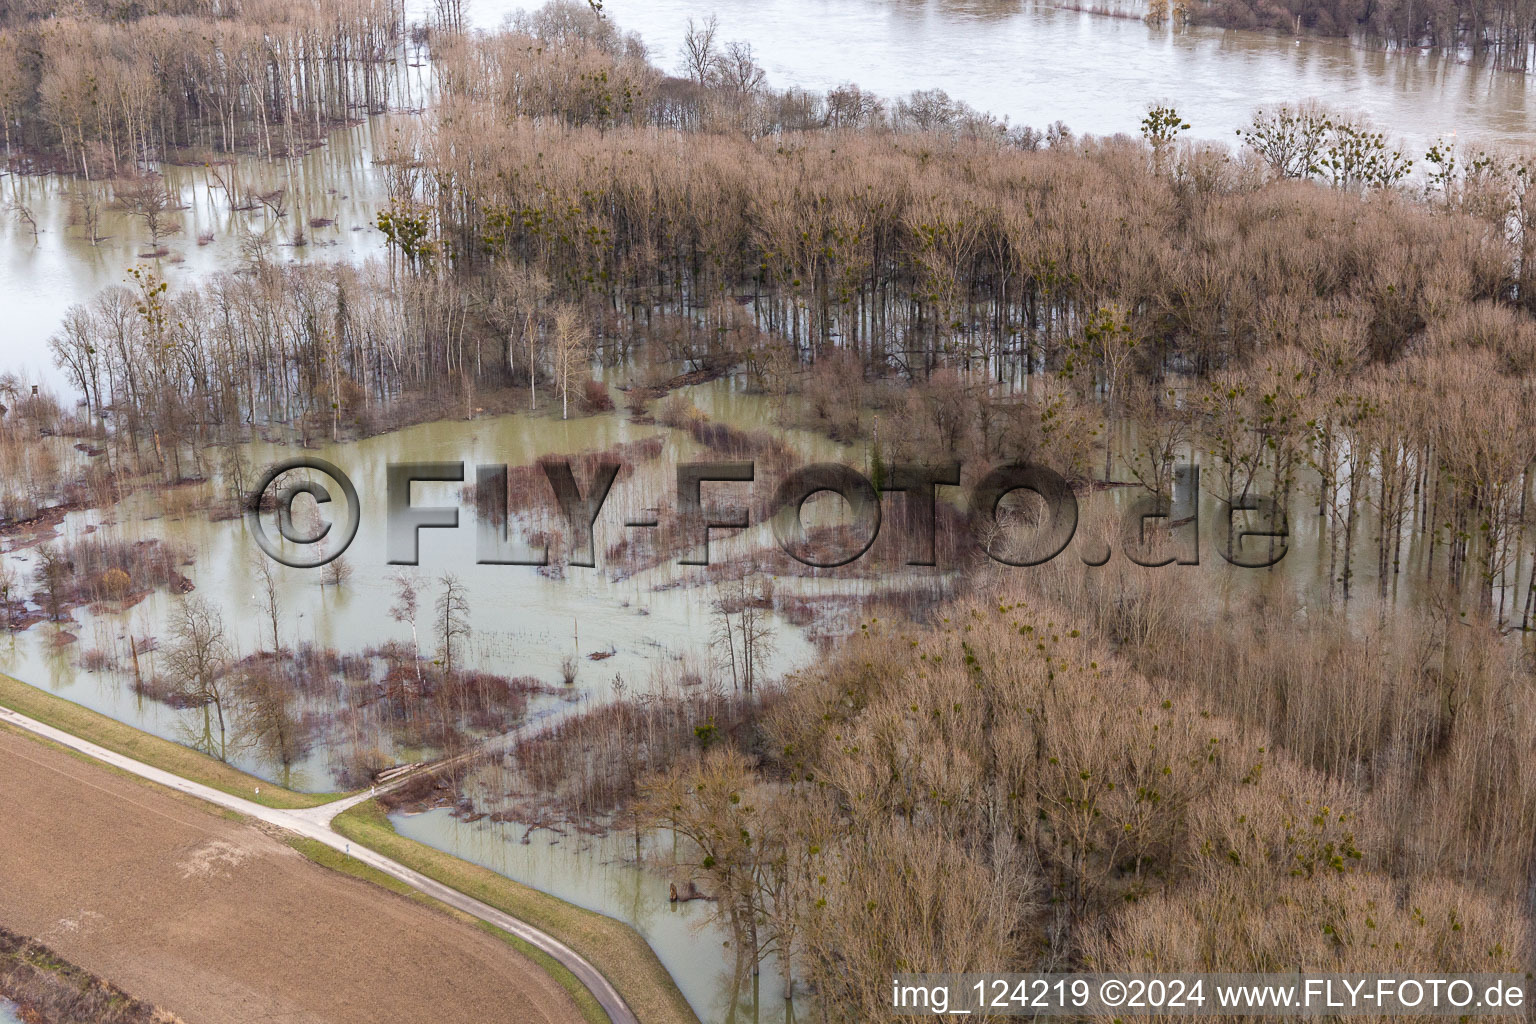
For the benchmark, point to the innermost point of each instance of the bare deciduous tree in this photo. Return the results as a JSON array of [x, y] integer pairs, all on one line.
[[404, 610], [570, 351], [197, 662], [267, 596], [149, 198], [698, 51], [452, 620], [269, 713], [744, 629]]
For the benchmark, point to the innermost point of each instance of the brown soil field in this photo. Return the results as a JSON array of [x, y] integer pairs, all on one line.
[[219, 921]]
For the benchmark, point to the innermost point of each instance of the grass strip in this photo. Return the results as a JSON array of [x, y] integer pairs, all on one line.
[[121, 738], [615, 948]]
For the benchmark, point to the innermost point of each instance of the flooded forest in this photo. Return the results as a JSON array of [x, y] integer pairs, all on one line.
[[1257, 712]]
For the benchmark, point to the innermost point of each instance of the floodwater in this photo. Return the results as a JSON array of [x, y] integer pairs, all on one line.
[[646, 628], [524, 623], [42, 276], [1037, 63], [8, 1012], [601, 874]]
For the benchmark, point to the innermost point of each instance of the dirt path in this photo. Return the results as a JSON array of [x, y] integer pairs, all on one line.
[[220, 921]]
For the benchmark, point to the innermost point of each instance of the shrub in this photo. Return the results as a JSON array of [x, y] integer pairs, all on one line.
[[595, 397]]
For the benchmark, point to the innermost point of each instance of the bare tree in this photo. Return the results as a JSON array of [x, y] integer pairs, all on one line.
[[235, 471], [337, 571], [521, 295], [75, 350], [738, 70], [266, 594], [24, 214], [51, 575], [8, 589], [1162, 434], [149, 199], [274, 201], [452, 620], [197, 662], [751, 847], [450, 15], [85, 210], [1289, 139], [699, 53], [404, 610], [743, 627], [269, 712], [256, 249], [570, 353]]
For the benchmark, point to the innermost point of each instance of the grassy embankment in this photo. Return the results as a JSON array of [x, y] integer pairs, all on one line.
[[124, 739], [613, 947]]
